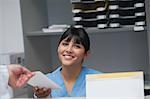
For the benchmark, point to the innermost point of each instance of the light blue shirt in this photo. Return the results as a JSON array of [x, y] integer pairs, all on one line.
[[79, 88]]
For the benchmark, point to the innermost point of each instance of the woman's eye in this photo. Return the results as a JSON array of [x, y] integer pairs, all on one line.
[[77, 46], [64, 44]]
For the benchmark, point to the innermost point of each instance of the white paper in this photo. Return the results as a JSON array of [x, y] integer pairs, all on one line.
[[41, 80], [115, 87]]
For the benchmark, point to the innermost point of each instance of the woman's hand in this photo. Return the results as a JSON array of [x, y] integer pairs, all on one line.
[[41, 92]]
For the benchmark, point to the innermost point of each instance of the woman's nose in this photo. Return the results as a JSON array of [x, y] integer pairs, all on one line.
[[69, 49]]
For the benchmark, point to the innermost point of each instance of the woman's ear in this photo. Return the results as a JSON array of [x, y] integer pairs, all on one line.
[[87, 54]]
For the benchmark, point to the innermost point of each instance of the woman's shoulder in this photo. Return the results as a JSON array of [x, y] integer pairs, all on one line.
[[54, 73], [91, 71]]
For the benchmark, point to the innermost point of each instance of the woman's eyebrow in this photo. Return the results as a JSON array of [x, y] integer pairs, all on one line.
[[66, 40]]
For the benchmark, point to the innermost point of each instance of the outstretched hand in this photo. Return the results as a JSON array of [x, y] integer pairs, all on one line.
[[18, 75]]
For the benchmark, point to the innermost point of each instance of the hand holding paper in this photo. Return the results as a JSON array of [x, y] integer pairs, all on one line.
[[42, 81]]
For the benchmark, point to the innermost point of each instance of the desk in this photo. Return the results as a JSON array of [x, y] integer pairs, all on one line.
[[147, 89], [146, 97]]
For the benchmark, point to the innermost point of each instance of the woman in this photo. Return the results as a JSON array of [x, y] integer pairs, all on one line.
[[73, 48]]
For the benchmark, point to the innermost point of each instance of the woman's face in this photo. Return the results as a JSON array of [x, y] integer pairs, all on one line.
[[71, 53]]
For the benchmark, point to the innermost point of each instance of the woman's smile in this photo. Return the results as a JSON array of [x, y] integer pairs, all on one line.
[[68, 56]]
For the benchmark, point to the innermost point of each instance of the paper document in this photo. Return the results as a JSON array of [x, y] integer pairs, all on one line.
[[41, 80], [124, 85], [56, 28]]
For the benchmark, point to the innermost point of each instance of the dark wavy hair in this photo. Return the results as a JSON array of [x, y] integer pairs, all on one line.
[[79, 35]]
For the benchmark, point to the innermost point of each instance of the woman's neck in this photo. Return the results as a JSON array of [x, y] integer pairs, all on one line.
[[71, 73]]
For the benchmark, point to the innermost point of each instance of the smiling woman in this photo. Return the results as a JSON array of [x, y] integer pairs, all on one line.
[[73, 48]]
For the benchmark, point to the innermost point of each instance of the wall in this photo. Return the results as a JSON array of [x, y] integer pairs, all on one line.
[[0, 26], [59, 12], [11, 35], [148, 28], [10, 27], [119, 51]]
